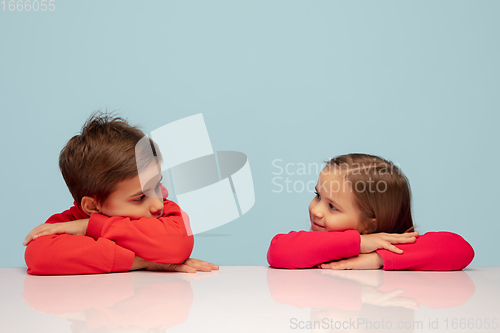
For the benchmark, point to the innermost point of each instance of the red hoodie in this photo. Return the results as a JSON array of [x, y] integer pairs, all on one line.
[[111, 243]]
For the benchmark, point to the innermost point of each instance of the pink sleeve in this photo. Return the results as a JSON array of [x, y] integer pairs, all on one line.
[[432, 251], [165, 240], [69, 254], [306, 249]]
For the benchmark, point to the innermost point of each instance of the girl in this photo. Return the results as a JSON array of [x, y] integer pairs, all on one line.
[[361, 209]]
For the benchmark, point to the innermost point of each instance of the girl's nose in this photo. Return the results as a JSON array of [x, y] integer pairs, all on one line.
[[316, 211]]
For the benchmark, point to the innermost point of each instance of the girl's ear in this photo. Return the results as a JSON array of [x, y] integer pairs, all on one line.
[[89, 205], [370, 226]]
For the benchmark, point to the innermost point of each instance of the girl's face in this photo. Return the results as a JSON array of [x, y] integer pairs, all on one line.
[[334, 206]]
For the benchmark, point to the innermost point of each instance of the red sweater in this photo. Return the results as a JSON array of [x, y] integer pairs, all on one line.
[[434, 251], [111, 243]]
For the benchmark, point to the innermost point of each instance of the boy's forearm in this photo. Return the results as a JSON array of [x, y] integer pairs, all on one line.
[[163, 240], [139, 263], [69, 254]]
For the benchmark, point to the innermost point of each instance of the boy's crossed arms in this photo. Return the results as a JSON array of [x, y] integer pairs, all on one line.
[[105, 244]]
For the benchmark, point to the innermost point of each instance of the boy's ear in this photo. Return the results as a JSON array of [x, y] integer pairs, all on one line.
[[89, 205]]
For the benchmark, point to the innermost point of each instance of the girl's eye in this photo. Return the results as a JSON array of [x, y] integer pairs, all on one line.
[[317, 194], [332, 207]]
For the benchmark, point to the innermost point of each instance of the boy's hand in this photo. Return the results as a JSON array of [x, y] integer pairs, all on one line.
[[189, 265], [382, 240], [77, 227], [363, 261]]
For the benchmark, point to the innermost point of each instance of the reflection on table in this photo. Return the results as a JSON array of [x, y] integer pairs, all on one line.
[[369, 300], [118, 302]]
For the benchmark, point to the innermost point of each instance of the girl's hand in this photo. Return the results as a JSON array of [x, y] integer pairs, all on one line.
[[382, 240], [370, 295], [363, 261], [189, 265], [77, 227]]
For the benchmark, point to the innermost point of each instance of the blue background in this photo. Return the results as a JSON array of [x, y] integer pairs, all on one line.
[[416, 82]]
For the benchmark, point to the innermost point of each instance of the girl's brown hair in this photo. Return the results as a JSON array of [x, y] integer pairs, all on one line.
[[382, 191], [101, 156]]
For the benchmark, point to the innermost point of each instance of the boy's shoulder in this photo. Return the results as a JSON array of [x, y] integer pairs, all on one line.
[[73, 213]]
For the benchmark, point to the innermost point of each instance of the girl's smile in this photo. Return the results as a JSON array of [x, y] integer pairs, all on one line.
[[334, 208]]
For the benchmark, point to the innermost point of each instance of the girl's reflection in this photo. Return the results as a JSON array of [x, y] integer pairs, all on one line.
[[369, 300]]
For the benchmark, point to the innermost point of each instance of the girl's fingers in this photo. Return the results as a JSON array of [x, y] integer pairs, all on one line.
[[341, 266], [405, 235], [403, 240], [326, 266], [393, 248]]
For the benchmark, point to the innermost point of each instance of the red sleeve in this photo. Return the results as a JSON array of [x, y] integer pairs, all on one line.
[[69, 254], [306, 249], [432, 251], [165, 240]]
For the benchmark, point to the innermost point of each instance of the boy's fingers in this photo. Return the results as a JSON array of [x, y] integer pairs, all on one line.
[[201, 265], [31, 236], [185, 268]]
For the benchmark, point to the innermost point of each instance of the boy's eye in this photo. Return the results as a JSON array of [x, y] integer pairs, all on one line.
[[140, 198], [333, 207], [317, 194]]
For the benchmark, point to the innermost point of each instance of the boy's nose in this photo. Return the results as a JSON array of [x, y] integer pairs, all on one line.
[[156, 207]]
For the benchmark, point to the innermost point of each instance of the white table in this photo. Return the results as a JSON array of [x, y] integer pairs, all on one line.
[[253, 299]]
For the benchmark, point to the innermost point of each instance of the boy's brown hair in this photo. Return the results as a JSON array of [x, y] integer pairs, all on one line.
[[390, 203], [101, 156]]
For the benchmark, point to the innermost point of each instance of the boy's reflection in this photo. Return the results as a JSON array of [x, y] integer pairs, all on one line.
[[120, 302], [367, 300]]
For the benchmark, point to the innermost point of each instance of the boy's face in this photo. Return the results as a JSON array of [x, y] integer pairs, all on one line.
[[132, 200], [334, 207]]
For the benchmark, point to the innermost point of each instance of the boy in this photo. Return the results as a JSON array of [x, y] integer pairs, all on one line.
[[119, 222]]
